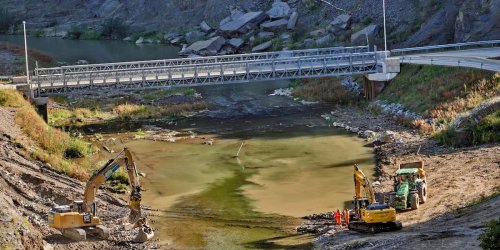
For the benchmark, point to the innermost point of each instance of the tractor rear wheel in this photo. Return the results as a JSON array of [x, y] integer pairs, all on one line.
[[414, 201], [422, 192]]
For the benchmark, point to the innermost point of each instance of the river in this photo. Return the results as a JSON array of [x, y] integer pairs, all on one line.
[[291, 163]]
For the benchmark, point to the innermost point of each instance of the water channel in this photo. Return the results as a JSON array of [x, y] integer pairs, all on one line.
[[291, 163]]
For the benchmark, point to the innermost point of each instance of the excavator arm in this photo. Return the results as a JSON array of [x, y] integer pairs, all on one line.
[[122, 159], [360, 180]]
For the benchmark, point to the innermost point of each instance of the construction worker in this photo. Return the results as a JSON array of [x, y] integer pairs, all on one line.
[[346, 217], [338, 218]]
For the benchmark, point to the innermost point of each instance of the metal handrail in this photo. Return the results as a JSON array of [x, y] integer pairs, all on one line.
[[492, 43], [192, 66], [195, 60]]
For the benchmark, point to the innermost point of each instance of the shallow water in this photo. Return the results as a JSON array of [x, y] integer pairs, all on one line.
[[208, 196]]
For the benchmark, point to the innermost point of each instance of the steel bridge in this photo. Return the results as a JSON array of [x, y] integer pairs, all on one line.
[[198, 71]]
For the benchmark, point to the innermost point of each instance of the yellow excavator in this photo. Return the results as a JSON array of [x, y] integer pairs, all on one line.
[[370, 216], [75, 220]]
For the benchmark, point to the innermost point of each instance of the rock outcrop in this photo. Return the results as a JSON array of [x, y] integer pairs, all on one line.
[[343, 21], [274, 26], [243, 23], [208, 47], [279, 10], [262, 47]]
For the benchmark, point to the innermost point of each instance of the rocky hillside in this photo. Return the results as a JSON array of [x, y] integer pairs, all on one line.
[[326, 22]]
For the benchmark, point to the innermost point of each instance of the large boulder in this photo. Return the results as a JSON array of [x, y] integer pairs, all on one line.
[[194, 36], [262, 46], [236, 42], [279, 10], [205, 27], [208, 47], [235, 14], [343, 21], [277, 25], [360, 37], [243, 23], [292, 21], [140, 40]]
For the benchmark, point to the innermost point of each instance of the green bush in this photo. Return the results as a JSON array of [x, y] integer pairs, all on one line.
[[114, 28], [490, 239]]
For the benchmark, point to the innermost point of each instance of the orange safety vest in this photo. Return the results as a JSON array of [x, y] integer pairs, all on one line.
[[346, 214], [337, 217]]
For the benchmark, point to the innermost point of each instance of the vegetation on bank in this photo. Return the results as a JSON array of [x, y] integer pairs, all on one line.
[[441, 92], [328, 89], [485, 131], [490, 238], [64, 153], [142, 105]]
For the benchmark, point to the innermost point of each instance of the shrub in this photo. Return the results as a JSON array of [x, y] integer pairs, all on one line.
[[114, 28], [490, 239], [324, 89]]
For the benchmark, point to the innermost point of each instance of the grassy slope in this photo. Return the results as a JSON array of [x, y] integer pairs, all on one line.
[[441, 92], [53, 145]]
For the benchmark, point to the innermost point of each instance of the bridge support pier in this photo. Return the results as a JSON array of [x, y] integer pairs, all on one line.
[[42, 108], [375, 83]]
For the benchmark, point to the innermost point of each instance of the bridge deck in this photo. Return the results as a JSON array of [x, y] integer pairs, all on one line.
[[204, 71]]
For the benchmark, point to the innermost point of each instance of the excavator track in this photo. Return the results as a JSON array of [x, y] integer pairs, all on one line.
[[374, 228]]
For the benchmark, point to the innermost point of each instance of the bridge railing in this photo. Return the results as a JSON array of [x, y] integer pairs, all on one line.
[[199, 60], [443, 47], [450, 62], [208, 73]]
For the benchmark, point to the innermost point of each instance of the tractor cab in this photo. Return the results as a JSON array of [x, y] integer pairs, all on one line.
[[410, 186]]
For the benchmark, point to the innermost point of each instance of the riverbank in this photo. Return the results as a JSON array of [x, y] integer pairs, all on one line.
[[456, 177]]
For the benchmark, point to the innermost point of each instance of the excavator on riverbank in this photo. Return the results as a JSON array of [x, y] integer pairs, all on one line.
[[75, 220], [370, 216]]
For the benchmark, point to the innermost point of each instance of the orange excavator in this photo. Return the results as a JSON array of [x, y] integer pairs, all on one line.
[[75, 220]]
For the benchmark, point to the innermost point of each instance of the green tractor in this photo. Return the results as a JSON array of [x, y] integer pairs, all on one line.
[[410, 186]]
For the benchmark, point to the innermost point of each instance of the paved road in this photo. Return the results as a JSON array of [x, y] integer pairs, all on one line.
[[474, 58]]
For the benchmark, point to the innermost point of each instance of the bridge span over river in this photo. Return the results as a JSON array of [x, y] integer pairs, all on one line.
[[244, 68]]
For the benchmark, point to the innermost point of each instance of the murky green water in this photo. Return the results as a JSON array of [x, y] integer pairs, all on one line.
[[211, 199]]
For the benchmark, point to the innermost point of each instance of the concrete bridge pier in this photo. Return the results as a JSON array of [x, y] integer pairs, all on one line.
[[374, 83], [42, 108]]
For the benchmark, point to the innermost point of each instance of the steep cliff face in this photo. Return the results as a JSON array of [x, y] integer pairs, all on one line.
[[410, 23], [459, 21], [138, 14]]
